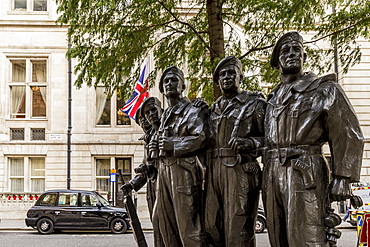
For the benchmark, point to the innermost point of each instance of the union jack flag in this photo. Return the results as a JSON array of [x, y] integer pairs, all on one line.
[[140, 93]]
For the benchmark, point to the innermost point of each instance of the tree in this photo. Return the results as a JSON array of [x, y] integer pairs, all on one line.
[[110, 37]]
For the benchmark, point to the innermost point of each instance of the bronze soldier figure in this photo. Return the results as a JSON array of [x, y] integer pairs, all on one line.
[[182, 136], [233, 175], [303, 113], [148, 116]]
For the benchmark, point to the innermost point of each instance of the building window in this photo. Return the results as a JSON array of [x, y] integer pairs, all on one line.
[[30, 5], [16, 168], [103, 166], [102, 174], [107, 109], [38, 101], [37, 177], [20, 5], [124, 164], [17, 134], [37, 134], [122, 119], [40, 5], [28, 88], [27, 174]]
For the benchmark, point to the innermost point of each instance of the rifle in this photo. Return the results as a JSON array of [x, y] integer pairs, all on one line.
[[131, 210]]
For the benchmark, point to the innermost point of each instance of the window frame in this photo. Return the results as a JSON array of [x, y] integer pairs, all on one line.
[[27, 174], [30, 5], [11, 177], [28, 84], [34, 177], [125, 174], [113, 108], [113, 165], [101, 176]]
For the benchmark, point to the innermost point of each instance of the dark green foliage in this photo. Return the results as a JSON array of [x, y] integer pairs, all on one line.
[[110, 37]]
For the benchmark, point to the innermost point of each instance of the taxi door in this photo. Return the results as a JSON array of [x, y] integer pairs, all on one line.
[[66, 212], [92, 216]]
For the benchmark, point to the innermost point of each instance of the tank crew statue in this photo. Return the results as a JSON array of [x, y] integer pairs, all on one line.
[[183, 135], [303, 113], [148, 117], [233, 175]]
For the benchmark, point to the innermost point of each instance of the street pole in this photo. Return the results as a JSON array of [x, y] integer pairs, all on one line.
[[69, 117]]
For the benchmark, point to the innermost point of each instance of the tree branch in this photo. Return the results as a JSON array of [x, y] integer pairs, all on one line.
[[187, 24], [256, 49], [307, 42], [160, 40], [176, 30], [333, 33], [150, 26]]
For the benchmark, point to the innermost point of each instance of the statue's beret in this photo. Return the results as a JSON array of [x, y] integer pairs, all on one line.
[[172, 69], [289, 36], [151, 100], [230, 60]]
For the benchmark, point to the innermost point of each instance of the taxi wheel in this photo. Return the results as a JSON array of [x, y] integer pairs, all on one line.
[[45, 226], [118, 226]]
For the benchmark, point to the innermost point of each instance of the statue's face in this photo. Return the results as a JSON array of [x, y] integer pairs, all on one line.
[[291, 57], [144, 124], [229, 78], [172, 85], [152, 113]]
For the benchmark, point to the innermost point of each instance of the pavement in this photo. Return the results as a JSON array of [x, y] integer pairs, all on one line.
[[145, 224], [21, 225]]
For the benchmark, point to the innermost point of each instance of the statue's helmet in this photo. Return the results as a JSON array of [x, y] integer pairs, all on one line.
[[287, 37]]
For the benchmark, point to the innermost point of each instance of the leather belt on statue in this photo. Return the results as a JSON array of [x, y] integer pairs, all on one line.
[[293, 151], [223, 152]]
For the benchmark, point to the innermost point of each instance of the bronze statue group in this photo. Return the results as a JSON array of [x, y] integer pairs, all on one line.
[[189, 143]]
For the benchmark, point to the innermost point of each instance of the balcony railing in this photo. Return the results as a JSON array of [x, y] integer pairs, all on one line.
[[7, 198]]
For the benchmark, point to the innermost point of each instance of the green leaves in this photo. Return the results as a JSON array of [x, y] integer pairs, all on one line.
[[110, 38]]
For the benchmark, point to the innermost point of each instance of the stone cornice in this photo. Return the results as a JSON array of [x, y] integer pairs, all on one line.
[[32, 23]]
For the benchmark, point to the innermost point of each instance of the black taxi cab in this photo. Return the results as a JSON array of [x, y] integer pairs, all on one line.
[[73, 210]]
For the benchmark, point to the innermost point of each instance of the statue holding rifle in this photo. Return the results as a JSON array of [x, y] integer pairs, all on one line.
[[148, 116]]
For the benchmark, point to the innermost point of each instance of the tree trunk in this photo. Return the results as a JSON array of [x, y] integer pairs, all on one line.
[[216, 37]]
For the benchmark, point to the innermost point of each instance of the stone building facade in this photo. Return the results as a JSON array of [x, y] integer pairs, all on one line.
[[34, 115]]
